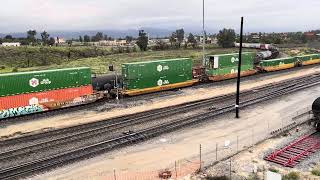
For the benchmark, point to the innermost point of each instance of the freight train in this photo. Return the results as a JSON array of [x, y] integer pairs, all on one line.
[[31, 92]]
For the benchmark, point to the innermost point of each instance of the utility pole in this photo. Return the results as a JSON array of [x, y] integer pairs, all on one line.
[[203, 38], [239, 70]]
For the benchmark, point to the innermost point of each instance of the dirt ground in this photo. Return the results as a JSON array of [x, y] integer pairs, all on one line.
[[251, 160], [227, 132], [187, 95]]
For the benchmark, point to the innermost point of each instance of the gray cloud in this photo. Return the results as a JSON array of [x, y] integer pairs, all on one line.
[[260, 15]]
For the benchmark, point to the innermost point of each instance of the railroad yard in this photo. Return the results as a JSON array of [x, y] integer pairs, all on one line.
[[159, 90], [184, 144], [139, 104], [134, 129]]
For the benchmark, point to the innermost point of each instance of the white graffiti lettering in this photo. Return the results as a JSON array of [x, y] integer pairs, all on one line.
[[19, 111]]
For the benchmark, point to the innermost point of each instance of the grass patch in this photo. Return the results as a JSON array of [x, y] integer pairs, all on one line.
[[210, 177], [100, 64], [272, 169], [316, 171], [291, 176]]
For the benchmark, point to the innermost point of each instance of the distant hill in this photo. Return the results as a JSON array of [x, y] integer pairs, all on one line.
[[153, 32]]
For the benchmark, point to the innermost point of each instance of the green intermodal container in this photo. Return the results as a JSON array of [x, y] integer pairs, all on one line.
[[277, 62], [308, 57], [141, 75], [228, 70], [222, 61], [38, 81]]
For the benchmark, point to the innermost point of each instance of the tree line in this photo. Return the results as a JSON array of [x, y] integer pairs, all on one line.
[[225, 38], [31, 39]]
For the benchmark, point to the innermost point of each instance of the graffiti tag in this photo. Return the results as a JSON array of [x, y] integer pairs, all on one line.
[[19, 111]]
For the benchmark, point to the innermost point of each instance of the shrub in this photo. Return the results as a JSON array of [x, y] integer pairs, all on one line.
[[316, 171], [15, 69], [272, 169], [291, 176], [210, 177], [253, 176]]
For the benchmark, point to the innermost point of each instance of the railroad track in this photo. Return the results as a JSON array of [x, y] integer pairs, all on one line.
[[269, 92], [296, 151], [86, 131], [123, 120]]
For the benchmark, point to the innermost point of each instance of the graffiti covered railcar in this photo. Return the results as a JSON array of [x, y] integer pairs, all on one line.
[[31, 92]]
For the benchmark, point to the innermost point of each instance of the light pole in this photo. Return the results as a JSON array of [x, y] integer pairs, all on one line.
[[203, 33], [239, 70]]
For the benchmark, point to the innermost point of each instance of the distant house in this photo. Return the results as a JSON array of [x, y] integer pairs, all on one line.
[[16, 44], [255, 36], [59, 40], [111, 43], [310, 34]]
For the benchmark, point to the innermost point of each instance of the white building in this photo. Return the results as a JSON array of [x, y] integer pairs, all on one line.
[[111, 43], [11, 44], [59, 40]]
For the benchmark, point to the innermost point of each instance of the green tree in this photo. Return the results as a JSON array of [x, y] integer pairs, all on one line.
[[86, 38], [129, 39], [98, 37], [8, 37], [105, 37], [192, 40], [80, 39], [160, 45], [51, 41], [205, 36], [142, 40], [304, 38], [31, 36], [173, 39], [226, 38], [180, 36], [45, 37]]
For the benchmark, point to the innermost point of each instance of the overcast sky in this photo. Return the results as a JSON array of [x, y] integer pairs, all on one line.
[[76, 15]]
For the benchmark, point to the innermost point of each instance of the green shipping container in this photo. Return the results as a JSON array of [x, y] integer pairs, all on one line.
[[227, 70], [308, 57], [141, 75], [277, 62], [38, 81], [222, 61]]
